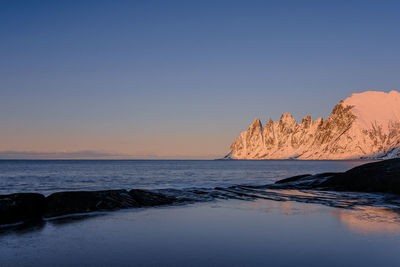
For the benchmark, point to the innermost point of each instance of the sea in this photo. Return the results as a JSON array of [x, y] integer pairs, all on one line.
[[295, 228], [49, 176]]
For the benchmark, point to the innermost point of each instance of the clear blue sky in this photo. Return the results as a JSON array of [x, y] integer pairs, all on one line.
[[181, 79]]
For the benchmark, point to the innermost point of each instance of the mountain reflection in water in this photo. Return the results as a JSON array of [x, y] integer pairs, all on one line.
[[370, 220], [359, 219]]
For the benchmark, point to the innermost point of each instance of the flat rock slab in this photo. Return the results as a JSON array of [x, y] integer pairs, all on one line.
[[293, 179], [21, 207], [151, 198], [63, 203]]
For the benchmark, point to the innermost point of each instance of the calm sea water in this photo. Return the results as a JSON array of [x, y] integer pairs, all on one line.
[[48, 176]]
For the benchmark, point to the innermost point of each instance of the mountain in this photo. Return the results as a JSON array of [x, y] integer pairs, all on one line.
[[362, 126]]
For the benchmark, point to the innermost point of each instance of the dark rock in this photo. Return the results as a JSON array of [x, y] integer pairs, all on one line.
[[232, 192], [383, 176], [150, 198], [292, 179], [326, 174], [63, 203], [21, 207], [309, 178]]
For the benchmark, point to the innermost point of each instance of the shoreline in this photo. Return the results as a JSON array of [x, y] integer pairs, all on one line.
[[380, 177]]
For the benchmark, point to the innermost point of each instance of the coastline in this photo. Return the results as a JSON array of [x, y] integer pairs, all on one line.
[[378, 177]]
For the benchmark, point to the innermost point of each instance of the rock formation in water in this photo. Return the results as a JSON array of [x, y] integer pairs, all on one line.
[[21, 207], [364, 125], [382, 177]]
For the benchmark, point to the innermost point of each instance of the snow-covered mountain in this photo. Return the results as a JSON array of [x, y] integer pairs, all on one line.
[[364, 125]]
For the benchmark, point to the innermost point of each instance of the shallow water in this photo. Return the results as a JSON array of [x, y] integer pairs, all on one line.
[[221, 233], [48, 176]]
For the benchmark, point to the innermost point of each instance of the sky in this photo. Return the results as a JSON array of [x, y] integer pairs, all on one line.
[[180, 79]]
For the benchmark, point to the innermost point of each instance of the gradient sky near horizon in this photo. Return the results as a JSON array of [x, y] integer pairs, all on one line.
[[181, 79]]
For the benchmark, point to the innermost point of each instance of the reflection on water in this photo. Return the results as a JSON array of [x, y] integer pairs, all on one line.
[[287, 208], [370, 220], [359, 219], [360, 212]]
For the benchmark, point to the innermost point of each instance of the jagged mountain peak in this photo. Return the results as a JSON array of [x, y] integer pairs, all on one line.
[[364, 125], [255, 124], [269, 123], [286, 116], [306, 121]]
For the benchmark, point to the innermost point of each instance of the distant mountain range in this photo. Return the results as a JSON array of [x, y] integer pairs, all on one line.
[[363, 126]]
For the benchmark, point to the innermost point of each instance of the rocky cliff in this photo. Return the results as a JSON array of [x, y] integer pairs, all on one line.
[[364, 125]]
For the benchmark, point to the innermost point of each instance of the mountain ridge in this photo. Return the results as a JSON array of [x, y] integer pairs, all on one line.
[[363, 126]]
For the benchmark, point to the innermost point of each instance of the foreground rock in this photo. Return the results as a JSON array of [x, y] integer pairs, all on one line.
[[149, 198], [20, 207], [383, 176], [63, 203]]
